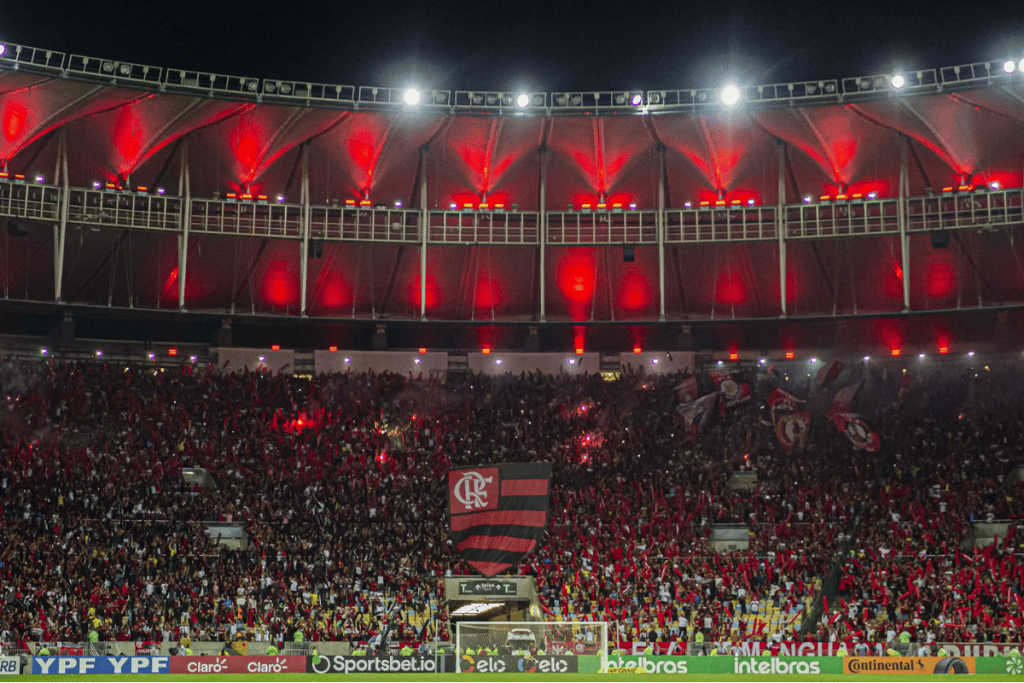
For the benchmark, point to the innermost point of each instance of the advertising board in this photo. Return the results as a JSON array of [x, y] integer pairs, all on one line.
[[907, 666], [238, 665], [100, 665], [542, 664], [342, 664], [10, 666]]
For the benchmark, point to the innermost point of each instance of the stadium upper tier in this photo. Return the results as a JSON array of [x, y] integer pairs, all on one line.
[[574, 207]]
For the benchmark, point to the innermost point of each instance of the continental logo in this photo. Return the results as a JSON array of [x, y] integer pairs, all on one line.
[[755, 665], [903, 666]]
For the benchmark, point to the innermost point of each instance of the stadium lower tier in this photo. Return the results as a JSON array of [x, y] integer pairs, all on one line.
[[338, 483]]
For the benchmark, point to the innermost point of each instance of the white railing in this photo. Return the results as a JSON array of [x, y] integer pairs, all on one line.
[[106, 208]]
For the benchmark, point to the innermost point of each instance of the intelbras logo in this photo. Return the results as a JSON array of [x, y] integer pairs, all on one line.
[[753, 665], [651, 667]]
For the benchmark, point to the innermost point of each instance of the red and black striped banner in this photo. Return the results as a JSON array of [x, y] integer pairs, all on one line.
[[498, 512]]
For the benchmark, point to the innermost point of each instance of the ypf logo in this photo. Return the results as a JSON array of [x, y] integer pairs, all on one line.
[[474, 490]]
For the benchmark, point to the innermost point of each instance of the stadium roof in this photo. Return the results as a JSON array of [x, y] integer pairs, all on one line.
[[831, 151]]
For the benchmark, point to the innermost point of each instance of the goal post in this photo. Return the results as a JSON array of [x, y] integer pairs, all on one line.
[[587, 639]]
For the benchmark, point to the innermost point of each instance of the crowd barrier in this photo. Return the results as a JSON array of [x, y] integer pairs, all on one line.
[[545, 664]]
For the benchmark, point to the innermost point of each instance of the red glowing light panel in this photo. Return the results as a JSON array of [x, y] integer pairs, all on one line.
[[637, 350], [789, 355], [422, 350], [332, 349], [486, 350], [275, 347], [733, 355], [172, 352], [895, 352]]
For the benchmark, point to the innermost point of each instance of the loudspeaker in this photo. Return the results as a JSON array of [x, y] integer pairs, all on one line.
[[316, 248], [628, 253], [17, 228], [940, 239]]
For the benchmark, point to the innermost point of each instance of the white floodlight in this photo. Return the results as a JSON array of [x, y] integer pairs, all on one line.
[[3, 49], [523, 101], [1009, 66], [898, 81], [411, 97], [867, 358], [636, 100], [1020, 65], [730, 95]]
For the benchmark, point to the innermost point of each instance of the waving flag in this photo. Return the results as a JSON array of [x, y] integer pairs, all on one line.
[[791, 423], [828, 372], [733, 390], [686, 391], [851, 424], [498, 512], [696, 414]]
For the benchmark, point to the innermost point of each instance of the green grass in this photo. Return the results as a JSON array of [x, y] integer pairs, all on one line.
[[473, 678]]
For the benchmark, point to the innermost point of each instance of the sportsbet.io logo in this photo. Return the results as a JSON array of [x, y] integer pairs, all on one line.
[[471, 490]]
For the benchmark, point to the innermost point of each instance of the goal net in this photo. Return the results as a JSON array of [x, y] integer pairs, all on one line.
[[587, 639]]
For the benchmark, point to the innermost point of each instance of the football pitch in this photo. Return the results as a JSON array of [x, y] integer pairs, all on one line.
[[532, 678]]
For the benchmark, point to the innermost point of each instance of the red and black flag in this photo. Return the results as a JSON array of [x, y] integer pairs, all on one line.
[[791, 423], [851, 424], [828, 372], [498, 512], [732, 389]]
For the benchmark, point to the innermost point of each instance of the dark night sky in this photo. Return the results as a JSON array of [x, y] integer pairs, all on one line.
[[525, 44]]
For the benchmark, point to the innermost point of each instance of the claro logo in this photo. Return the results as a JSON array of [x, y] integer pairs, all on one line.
[[276, 667], [219, 666]]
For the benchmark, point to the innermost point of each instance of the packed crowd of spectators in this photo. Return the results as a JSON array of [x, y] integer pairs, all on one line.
[[339, 482]]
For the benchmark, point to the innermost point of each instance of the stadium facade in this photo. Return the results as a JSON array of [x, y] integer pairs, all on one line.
[[612, 219]]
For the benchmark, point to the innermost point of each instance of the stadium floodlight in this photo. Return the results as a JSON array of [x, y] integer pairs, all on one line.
[[398, 204], [898, 81], [40, 179], [867, 358], [523, 101], [280, 199], [994, 185], [1009, 66], [3, 49], [411, 97], [42, 351], [730, 95], [636, 100]]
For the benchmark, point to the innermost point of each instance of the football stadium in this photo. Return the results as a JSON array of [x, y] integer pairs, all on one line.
[[305, 380]]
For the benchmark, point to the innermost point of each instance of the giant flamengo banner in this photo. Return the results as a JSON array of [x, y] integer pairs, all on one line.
[[498, 512]]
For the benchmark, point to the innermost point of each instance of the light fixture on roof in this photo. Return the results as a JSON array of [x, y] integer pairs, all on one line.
[[411, 97], [1009, 66], [1020, 65], [636, 100], [864, 83], [492, 100], [898, 81], [506, 100], [250, 85], [994, 185], [3, 49], [730, 95], [108, 67], [440, 97], [523, 101]]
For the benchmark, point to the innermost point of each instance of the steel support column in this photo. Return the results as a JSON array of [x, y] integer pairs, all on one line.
[[661, 233], [60, 231], [901, 218], [185, 192], [780, 227], [542, 226], [424, 232], [304, 255]]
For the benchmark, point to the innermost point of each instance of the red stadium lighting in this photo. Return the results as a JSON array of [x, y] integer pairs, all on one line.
[[896, 352], [579, 351], [943, 350], [486, 350], [332, 349], [275, 347], [637, 350], [733, 355], [172, 352], [789, 355], [423, 349]]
